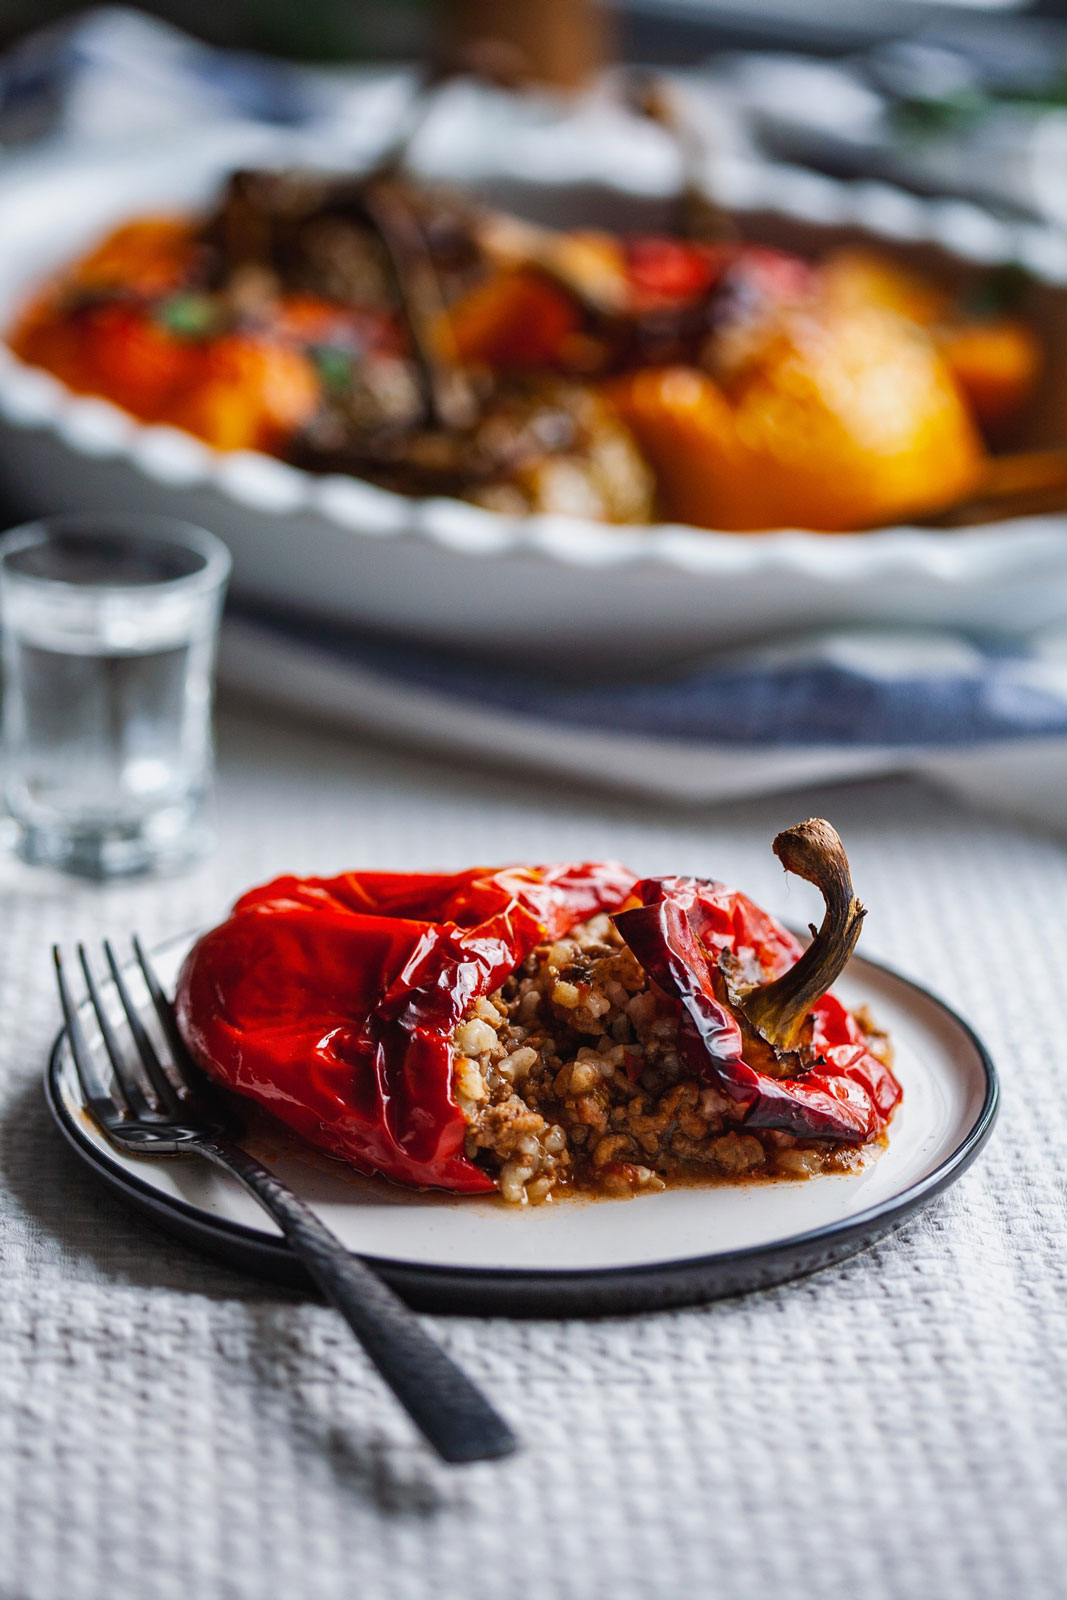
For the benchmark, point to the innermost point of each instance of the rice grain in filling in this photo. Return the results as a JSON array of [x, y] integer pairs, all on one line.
[[569, 1077]]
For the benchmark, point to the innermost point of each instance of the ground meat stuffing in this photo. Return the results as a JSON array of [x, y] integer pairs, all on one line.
[[569, 1077]]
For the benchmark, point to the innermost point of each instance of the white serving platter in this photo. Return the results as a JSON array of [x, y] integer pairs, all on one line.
[[539, 589]]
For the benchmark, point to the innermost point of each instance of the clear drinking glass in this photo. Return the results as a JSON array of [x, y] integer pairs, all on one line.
[[109, 633]]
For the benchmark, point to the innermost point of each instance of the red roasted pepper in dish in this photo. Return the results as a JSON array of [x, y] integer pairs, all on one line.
[[332, 1001], [757, 1021]]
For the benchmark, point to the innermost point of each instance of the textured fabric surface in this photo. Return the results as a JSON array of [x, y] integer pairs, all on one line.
[[894, 687], [893, 1427]]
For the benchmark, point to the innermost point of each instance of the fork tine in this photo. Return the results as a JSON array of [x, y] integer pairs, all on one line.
[[98, 1096], [157, 1077], [126, 1088], [183, 1061], [194, 1085]]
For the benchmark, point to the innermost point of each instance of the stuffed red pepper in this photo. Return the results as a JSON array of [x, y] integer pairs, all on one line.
[[534, 1029]]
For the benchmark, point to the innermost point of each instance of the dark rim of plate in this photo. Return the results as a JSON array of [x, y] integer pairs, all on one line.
[[560, 1292]]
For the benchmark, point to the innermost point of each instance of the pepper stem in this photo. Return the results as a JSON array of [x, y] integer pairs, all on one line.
[[778, 1010]]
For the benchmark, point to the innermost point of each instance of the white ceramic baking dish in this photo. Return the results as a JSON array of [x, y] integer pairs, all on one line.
[[542, 589]]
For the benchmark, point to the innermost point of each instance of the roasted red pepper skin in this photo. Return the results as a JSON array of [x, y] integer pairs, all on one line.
[[663, 271], [678, 934], [332, 1001]]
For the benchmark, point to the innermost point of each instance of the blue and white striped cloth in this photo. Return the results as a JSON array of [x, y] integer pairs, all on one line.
[[894, 689], [989, 722]]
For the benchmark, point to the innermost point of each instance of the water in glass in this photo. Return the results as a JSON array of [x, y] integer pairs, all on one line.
[[109, 641]]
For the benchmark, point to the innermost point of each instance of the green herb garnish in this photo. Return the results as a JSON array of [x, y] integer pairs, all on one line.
[[190, 315], [335, 367]]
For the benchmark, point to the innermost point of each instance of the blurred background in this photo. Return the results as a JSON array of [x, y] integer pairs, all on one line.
[[965, 102], [669, 31], [962, 96]]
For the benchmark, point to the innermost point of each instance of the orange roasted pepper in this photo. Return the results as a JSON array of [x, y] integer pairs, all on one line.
[[116, 349], [238, 391], [840, 420], [146, 257], [996, 361], [253, 394], [519, 320]]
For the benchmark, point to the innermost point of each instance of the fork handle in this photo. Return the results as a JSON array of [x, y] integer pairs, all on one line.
[[440, 1399]]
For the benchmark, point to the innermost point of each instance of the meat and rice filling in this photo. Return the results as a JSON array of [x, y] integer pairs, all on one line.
[[569, 1076]]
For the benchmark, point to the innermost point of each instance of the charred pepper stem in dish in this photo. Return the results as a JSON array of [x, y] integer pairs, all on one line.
[[778, 1010], [538, 1028]]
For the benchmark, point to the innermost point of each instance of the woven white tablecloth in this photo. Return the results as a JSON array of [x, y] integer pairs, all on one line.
[[894, 1427]]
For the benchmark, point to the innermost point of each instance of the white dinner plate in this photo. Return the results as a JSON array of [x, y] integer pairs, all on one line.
[[580, 1256], [548, 589]]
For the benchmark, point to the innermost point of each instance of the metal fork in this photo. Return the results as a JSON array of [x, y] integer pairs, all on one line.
[[173, 1111]]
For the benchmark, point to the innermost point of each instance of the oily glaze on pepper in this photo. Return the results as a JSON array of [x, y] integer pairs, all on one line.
[[332, 1002]]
